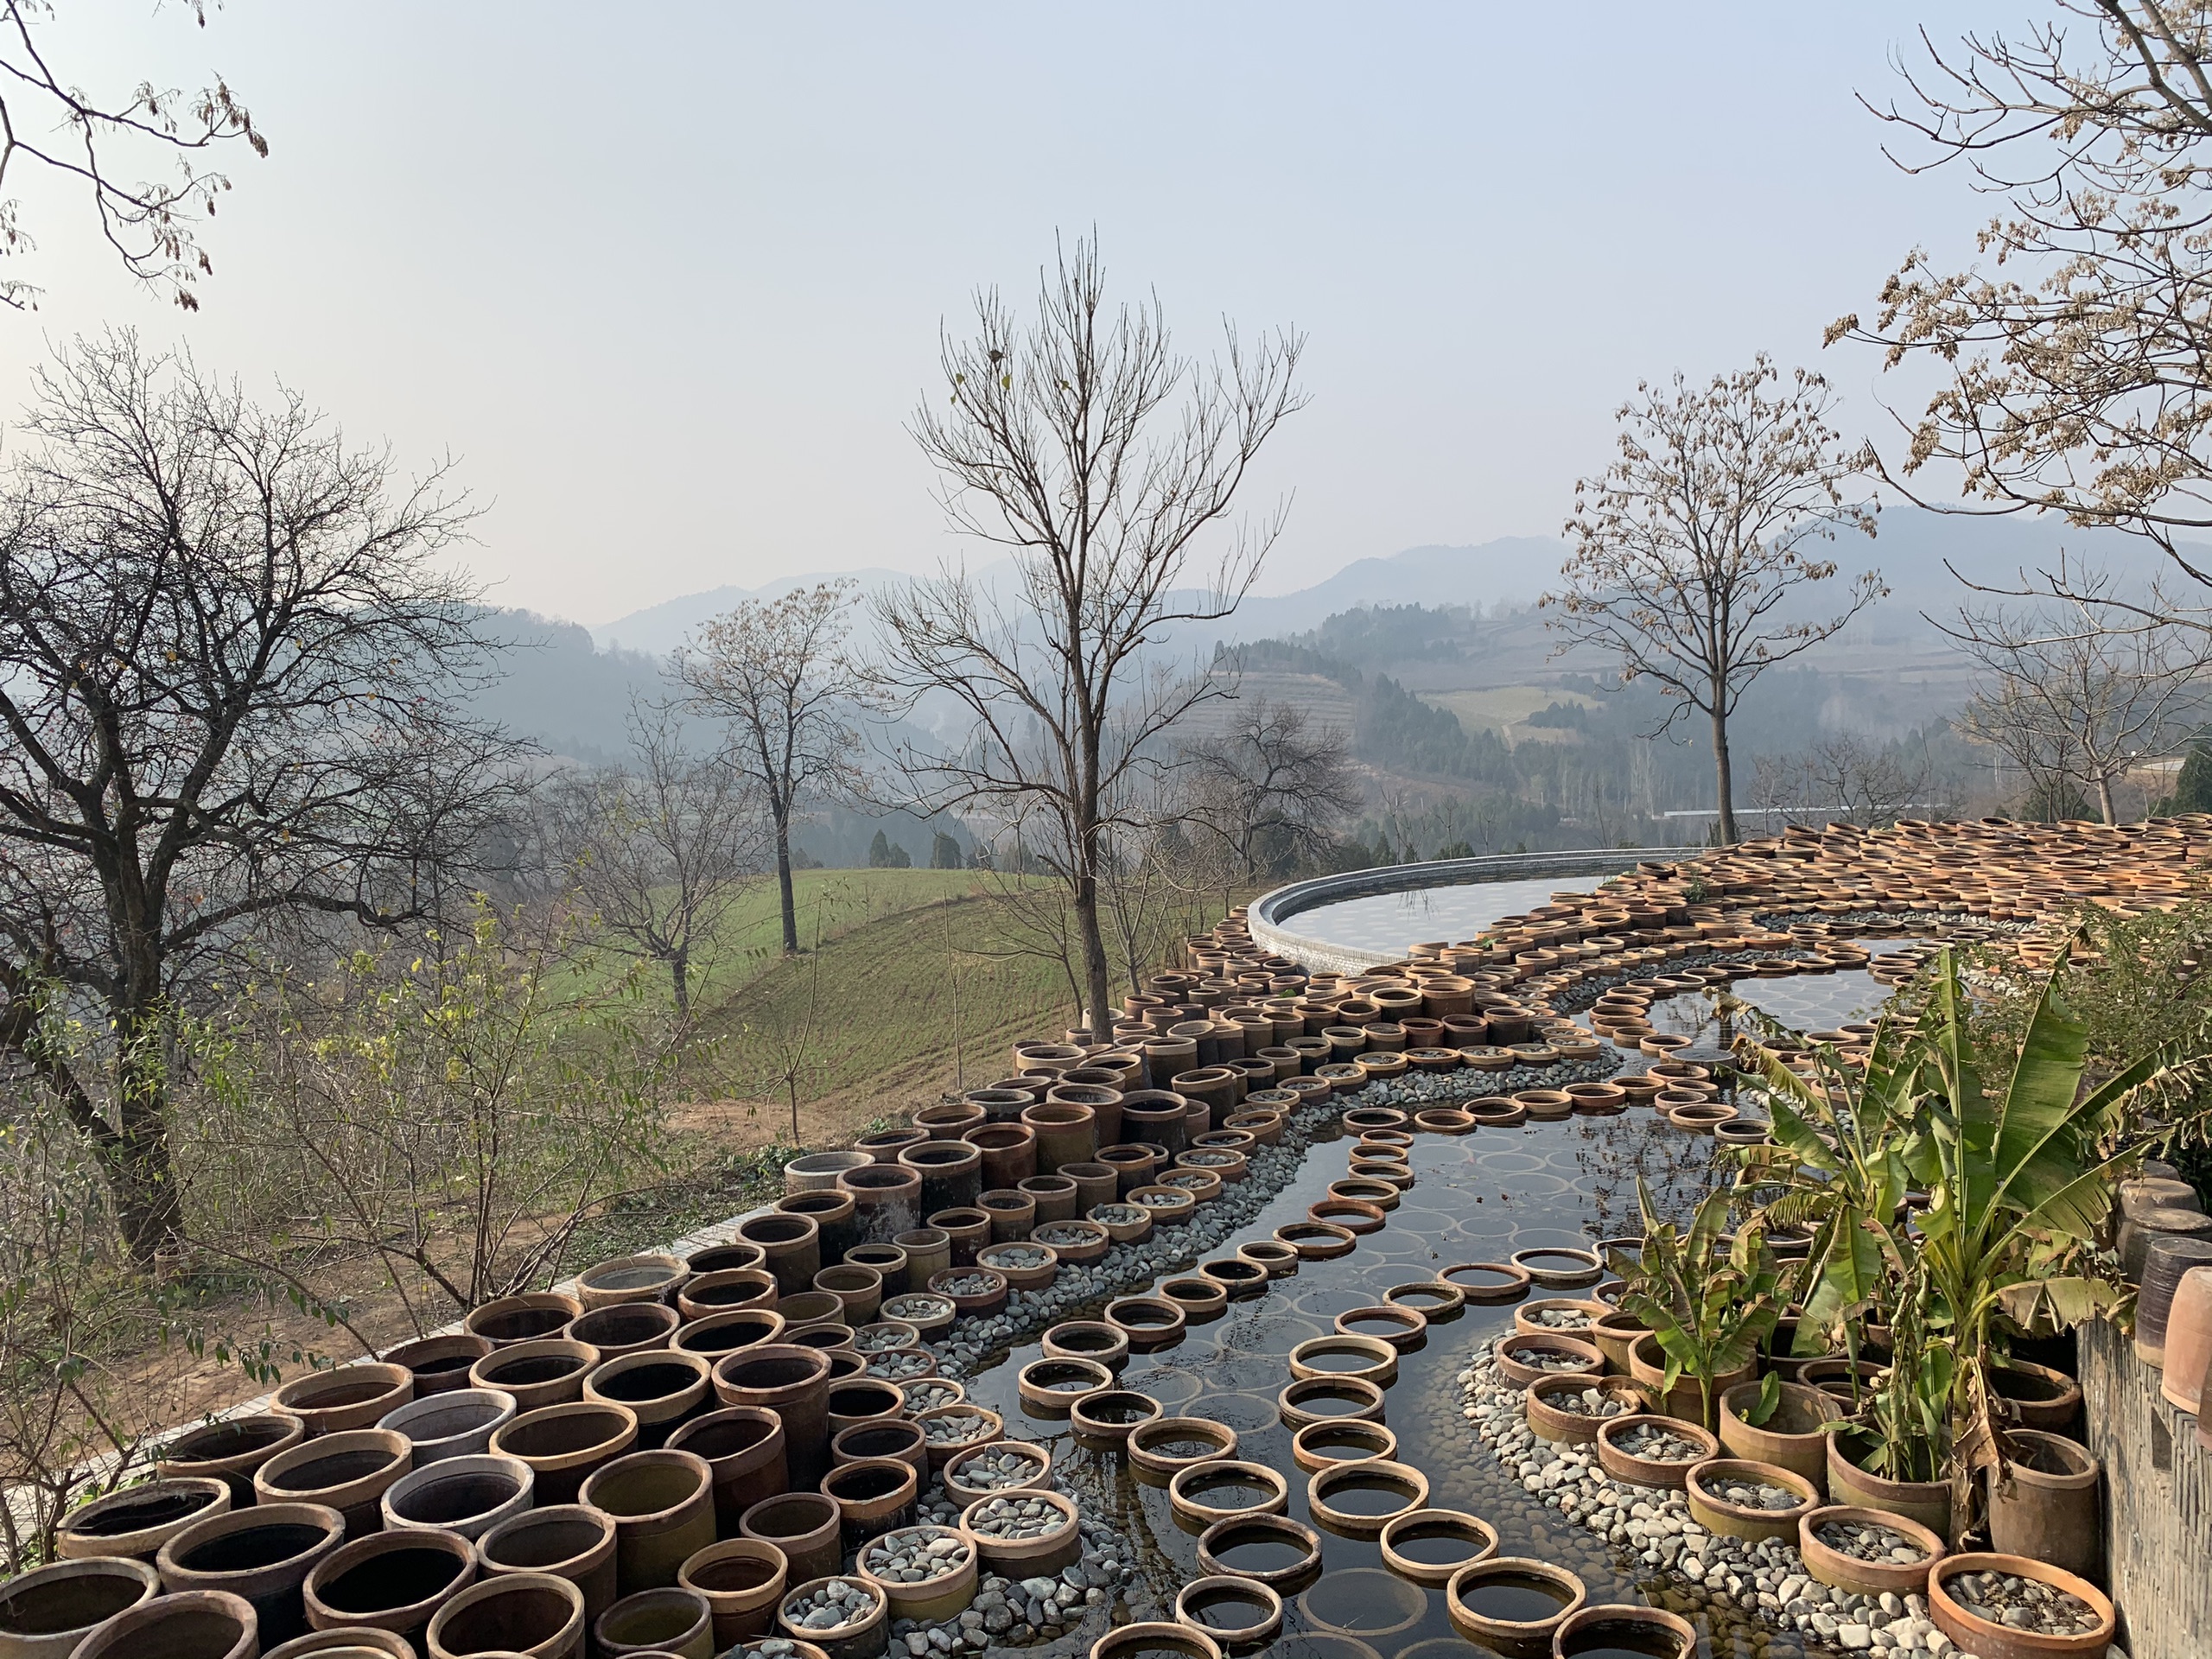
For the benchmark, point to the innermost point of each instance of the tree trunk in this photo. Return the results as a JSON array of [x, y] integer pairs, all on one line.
[[2104, 797], [1099, 1019], [782, 817], [1723, 781], [150, 1212], [679, 969]]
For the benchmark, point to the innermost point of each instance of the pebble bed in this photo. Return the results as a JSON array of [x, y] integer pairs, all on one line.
[[838, 1603], [2022, 1603], [996, 1469], [917, 1556], [1869, 1543], [1654, 1445], [1016, 1518], [1767, 1578]]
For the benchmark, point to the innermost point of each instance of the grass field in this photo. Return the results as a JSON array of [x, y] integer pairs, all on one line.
[[1505, 710]]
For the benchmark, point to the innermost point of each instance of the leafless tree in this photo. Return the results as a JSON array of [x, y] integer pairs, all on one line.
[[230, 679], [1097, 459], [1273, 787], [1845, 778], [775, 671], [660, 850], [152, 227], [2076, 364], [1688, 558], [2063, 694]]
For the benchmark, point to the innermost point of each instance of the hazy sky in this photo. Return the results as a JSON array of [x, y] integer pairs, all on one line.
[[667, 279]]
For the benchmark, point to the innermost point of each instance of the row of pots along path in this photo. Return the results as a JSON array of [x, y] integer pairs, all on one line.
[[1488, 1009]]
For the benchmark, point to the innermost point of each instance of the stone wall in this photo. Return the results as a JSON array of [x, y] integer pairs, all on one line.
[[2158, 1494]]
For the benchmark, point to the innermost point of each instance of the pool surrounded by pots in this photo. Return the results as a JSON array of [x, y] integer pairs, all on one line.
[[1476, 1198]]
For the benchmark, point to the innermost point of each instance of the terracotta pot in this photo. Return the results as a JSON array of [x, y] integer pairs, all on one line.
[[522, 1318], [629, 1279], [929, 1252], [1326, 1489], [2044, 1502], [534, 1614], [1066, 1133], [806, 1526], [1625, 1628], [966, 1231], [467, 1496], [793, 1382], [884, 1146], [1013, 1213], [720, 1258], [1476, 1538], [1928, 1502], [1791, 1439], [896, 1437], [790, 1247], [262, 1553], [347, 1471], [1994, 1641], [721, 1334], [1507, 1635], [2167, 1260], [953, 1120], [344, 1642], [743, 1580], [1552, 1422], [888, 1260], [453, 1423], [134, 1523], [817, 1171], [546, 1372], [1628, 1468], [2037, 1396], [46, 1613], [664, 1508], [1009, 1152], [872, 1494], [887, 1199], [862, 1636], [184, 1624], [231, 1451], [625, 1327], [2188, 1341], [564, 1444], [836, 1220], [1070, 1192], [1329, 1400], [352, 1396], [393, 1581], [439, 1363], [1155, 1117], [1685, 1401], [1703, 1488], [660, 1387], [1845, 1572], [729, 1291], [564, 1541], [951, 1173], [744, 1447]]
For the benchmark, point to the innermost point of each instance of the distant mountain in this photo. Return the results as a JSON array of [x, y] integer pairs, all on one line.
[[660, 628]]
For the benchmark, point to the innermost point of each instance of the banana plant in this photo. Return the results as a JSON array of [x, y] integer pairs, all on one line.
[[1708, 1298]]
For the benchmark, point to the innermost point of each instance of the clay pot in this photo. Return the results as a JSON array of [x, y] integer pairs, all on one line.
[[1617, 1627], [564, 1541], [1154, 1116], [1504, 1634], [1685, 1401], [184, 1624], [2037, 1396], [46, 1613], [547, 1372], [534, 1614], [952, 1120], [966, 1231], [347, 1471], [344, 1642], [1992, 1641], [352, 1396], [886, 1198], [467, 1496], [2188, 1341], [1392, 1479], [1633, 1470], [790, 1247], [660, 1387], [664, 1508], [929, 1252], [951, 1173], [393, 1581], [793, 1382], [231, 1451], [2168, 1258], [1476, 1538], [874, 1496], [884, 1146], [564, 1444], [1013, 1213], [522, 1318], [453, 1423], [439, 1363], [743, 1448], [133, 1524], [743, 1580], [836, 1220], [729, 1291], [1060, 1196], [625, 1327], [862, 1636], [806, 1526], [1220, 1548], [1928, 1502], [1009, 1152], [720, 1258], [1329, 1400], [1845, 1572], [1791, 1439], [817, 1171], [2044, 1502], [719, 1334], [1714, 1512], [263, 1554], [629, 1279]]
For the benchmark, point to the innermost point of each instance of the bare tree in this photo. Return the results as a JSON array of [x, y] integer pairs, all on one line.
[[1845, 778], [152, 227], [2076, 377], [1096, 458], [230, 674], [1688, 557], [775, 671], [2064, 695], [1273, 786], [659, 852]]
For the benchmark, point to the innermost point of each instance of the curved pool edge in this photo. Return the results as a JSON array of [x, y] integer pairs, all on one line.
[[1268, 912]]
